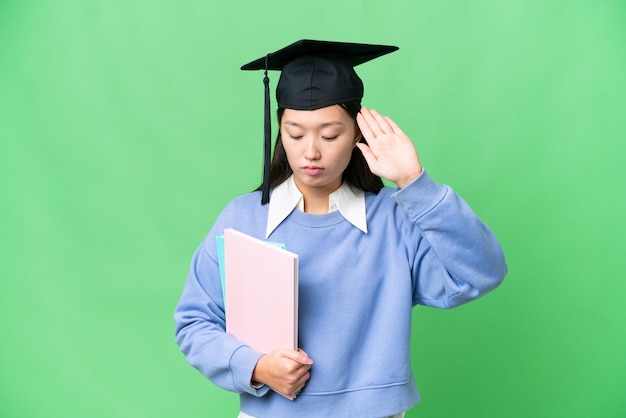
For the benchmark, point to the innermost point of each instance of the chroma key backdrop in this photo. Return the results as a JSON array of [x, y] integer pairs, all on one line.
[[126, 126]]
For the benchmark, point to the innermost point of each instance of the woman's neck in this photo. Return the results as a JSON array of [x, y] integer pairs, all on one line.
[[316, 199], [316, 205]]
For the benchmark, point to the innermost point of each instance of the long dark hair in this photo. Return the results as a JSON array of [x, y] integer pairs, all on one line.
[[357, 174]]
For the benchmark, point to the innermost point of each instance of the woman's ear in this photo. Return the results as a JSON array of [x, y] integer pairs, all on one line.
[[358, 137]]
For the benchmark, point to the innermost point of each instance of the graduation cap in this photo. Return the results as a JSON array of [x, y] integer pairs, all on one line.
[[314, 74]]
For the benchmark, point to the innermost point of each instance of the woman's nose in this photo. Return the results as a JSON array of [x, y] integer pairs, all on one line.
[[311, 151]]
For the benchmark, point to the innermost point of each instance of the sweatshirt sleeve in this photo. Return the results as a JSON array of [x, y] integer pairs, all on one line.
[[201, 327], [457, 257]]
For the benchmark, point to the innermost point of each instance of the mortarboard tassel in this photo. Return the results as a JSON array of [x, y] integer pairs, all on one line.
[[267, 144]]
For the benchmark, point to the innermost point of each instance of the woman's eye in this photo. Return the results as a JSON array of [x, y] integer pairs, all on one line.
[[330, 138], [295, 136]]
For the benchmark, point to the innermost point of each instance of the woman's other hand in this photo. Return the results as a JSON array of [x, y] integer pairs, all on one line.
[[285, 371], [389, 152]]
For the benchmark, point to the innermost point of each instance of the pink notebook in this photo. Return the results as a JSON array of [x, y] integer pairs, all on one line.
[[261, 283]]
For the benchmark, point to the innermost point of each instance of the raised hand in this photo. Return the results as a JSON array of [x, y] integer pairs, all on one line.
[[389, 152]]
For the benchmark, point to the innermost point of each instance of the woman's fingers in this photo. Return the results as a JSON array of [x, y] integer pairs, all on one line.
[[372, 124], [394, 127], [389, 153]]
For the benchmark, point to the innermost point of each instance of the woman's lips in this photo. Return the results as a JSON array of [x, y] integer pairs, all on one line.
[[311, 170]]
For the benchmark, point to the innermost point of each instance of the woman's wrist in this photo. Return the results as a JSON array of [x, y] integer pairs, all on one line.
[[406, 180], [257, 373]]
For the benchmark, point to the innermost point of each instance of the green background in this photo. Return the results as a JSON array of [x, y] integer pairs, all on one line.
[[125, 127]]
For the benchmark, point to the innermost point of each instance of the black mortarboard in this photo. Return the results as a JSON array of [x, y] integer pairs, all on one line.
[[314, 74]]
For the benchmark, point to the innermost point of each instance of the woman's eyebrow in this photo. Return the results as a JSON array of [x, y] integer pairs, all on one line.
[[323, 125]]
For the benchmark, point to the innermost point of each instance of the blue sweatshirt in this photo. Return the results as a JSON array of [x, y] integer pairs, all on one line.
[[424, 245]]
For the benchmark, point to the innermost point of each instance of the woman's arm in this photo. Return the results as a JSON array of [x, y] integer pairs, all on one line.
[[457, 257], [201, 327], [201, 332]]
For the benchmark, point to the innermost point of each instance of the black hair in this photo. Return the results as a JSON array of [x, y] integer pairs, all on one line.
[[357, 174]]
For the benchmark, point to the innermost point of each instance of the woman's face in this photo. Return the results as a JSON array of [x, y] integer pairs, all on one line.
[[318, 144]]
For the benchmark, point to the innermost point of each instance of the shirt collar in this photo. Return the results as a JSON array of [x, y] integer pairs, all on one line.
[[286, 197]]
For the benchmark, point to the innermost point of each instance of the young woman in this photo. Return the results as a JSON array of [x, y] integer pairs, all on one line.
[[367, 253]]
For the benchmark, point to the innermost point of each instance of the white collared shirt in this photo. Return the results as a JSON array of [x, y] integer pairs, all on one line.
[[286, 197]]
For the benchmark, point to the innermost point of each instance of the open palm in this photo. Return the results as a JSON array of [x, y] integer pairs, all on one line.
[[389, 152]]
